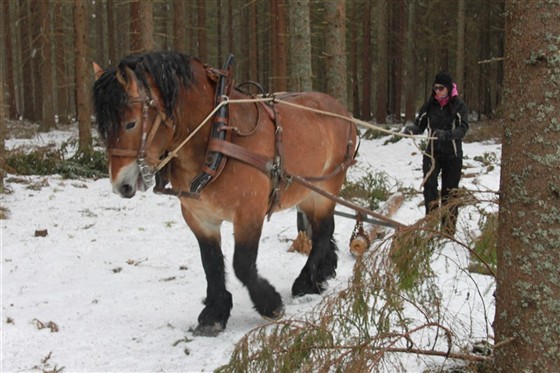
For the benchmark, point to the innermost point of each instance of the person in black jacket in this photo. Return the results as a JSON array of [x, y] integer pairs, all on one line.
[[445, 116]]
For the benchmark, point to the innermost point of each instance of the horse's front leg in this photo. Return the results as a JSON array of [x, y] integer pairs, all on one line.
[[266, 299], [218, 303]]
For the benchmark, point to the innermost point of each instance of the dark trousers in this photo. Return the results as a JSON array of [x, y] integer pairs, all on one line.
[[450, 169]]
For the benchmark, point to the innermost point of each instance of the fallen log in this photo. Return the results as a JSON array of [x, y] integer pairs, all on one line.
[[361, 239]]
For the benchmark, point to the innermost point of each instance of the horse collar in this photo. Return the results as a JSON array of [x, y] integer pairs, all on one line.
[[215, 161]]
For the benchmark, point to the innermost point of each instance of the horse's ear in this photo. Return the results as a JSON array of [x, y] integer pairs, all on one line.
[[126, 78], [97, 70], [154, 92], [122, 78]]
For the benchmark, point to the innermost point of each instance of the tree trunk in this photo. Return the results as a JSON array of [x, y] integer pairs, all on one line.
[[201, 17], [366, 61], [2, 125], [396, 41], [483, 85], [99, 32], [111, 33], [12, 111], [335, 51], [460, 71], [37, 97], [45, 58], [135, 27], [220, 32], [61, 80], [252, 46], [382, 63], [528, 291], [410, 65], [273, 33], [230, 26], [82, 74], [354, 61], [27, 104], [146, 15], [300, 46], [179, 37], [282, 67]]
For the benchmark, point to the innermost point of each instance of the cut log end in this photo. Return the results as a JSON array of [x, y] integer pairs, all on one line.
[[302, 244]]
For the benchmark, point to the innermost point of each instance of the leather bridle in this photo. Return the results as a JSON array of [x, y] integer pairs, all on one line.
[[147, 171]]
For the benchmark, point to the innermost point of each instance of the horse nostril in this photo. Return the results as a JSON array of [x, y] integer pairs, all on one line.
[[127, 191]]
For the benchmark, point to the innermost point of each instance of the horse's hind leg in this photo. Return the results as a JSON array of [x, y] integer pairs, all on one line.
[[303, 224], [322, 261], [266, 299]]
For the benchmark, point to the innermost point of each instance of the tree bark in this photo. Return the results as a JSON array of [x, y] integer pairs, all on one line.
[[410, 65], [335, 51], [382, 63], [396, 41], [179, 37], [45, 58], [82, 74], [27, 103], [460, 71], [111, 32], [99, 32], [355, 10], [252, 45], [12, 111], [220, 31], [528, 277], [135, 27], [281, 71], [367, 61], [146, 15], [61, 65], [37, 97], [201, 17], [2, 128], [230, 26], [300, 46]]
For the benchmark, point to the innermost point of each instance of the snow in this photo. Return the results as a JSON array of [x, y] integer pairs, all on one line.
[[122, 281]]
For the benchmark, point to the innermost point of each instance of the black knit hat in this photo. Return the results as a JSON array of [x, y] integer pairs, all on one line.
[[445, 79]]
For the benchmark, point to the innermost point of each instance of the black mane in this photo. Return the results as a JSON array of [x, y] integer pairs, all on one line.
[[169, 70]]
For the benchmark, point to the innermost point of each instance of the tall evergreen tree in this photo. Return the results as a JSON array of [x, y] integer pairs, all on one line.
[[382, 62], [528, 277], [82, 76], [45, 58], [300, 46], [335, 49]]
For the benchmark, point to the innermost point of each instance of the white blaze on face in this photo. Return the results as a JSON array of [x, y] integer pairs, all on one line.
[[128, 181]]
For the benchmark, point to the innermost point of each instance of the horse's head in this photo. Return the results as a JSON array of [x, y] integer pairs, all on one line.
[[134, 111]]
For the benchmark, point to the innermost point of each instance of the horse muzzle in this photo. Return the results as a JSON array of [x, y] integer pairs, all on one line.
[[132, 178]]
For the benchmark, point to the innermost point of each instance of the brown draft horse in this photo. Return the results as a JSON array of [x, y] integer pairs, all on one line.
[[176, 91]]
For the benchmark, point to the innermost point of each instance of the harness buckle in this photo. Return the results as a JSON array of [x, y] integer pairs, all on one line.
[[147, 173]]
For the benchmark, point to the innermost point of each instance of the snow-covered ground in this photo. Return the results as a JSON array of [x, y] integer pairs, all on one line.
[[117, 285]]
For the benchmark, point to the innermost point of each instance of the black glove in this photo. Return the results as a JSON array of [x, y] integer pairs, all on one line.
[[442, 135], [411, 129]]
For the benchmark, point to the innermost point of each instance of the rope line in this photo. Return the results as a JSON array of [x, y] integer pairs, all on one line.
[[226, 100]]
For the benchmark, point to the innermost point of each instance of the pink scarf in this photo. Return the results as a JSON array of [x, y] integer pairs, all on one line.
[[445, 100]]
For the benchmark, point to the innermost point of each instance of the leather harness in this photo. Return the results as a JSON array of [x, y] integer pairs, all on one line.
[[220, 148]]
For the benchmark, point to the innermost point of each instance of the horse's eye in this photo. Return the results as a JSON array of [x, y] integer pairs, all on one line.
[[130, 125]]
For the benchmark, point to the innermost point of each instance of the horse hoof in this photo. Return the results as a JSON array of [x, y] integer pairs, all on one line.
[[208, 330], [276, 314], [304, 286]]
